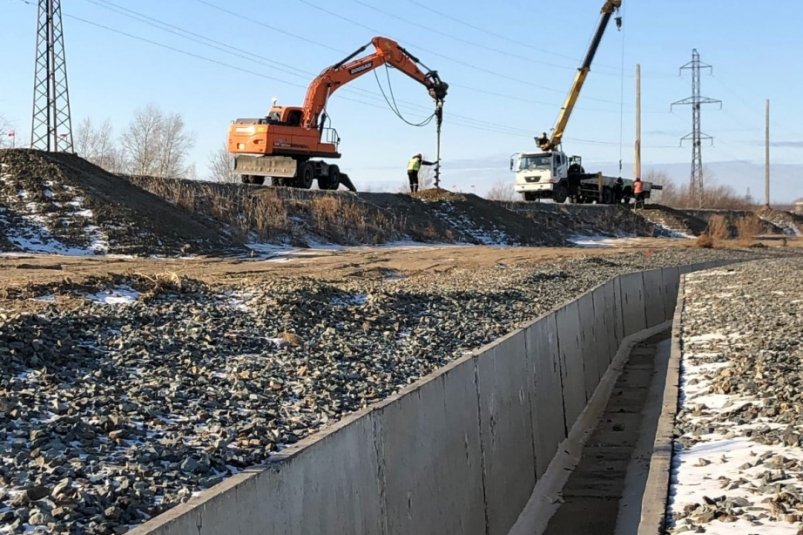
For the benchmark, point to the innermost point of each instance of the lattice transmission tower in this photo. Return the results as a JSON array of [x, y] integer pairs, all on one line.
[[51, 129], [696, 136]]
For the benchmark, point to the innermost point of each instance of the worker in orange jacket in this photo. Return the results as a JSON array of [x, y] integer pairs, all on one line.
[[638, 192]]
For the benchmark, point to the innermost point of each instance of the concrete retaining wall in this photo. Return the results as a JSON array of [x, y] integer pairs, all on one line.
[[460, 451]]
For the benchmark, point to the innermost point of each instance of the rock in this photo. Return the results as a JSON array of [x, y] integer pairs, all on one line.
[[63, 488], [37, 493], [39, 518], [189, 465]]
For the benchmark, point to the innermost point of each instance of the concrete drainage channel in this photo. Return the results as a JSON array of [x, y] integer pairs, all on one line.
[[479, 447], [603, 493]]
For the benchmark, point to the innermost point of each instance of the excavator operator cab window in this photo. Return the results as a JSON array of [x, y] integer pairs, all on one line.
[[294, 117]]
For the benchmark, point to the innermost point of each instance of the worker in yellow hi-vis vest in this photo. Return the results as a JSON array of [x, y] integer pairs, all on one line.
[[413, 166]]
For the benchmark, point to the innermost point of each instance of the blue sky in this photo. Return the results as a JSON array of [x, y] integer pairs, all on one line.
[[509, 65]]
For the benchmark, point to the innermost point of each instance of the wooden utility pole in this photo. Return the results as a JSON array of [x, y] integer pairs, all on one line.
[[767, 157], [637, 157]]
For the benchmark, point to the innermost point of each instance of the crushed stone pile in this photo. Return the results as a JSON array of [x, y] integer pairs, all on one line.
[[120, 397], [60, 203], [739, 432]]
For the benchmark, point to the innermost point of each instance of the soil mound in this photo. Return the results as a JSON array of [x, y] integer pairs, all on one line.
[[674, 222], [579, 220], [789, 222], [306, 217], [63, 204]]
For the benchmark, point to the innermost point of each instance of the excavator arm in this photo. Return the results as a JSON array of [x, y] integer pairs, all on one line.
[[387, 52], [551, 143]]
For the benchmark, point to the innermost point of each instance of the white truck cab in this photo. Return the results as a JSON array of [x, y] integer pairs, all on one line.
[[544, 174]]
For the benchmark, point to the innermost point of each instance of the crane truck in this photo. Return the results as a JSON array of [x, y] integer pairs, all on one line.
[[282, 145], [550, 173]]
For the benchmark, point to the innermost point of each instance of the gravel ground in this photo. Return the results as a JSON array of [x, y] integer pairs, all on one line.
[[739, 455], [121, 397]]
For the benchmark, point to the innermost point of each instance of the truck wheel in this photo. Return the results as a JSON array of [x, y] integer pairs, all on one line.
[[529, 196], [332, 180], [305, 175], [258, 180], [278, 181], [560, 194], [246, 179], [608, 196]]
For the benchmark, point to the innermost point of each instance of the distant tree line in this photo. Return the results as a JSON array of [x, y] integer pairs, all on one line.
[[153, 144], [715, 196]]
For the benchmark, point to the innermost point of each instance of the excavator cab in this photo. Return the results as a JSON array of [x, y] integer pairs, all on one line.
[[285, 115]]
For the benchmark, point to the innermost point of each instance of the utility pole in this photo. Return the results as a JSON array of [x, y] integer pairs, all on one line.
[[696, 101], [637, 158], [767, 157], [51, 128]]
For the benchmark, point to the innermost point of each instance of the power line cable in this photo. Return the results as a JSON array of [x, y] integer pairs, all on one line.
[[441, 33], [244, 54], [459, 121], [448, 58], [454, 85]]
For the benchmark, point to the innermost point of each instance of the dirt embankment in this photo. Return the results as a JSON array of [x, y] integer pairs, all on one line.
[[62, 203], [585, 220], [305, 217]]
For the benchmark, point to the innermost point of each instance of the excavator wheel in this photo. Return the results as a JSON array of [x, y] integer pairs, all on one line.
[[332, 181], [305, 175]]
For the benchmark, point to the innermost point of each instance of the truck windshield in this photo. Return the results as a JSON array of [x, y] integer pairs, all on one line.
[[535, 161]]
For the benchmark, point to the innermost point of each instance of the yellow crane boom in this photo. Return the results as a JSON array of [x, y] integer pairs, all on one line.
[[547, 143]]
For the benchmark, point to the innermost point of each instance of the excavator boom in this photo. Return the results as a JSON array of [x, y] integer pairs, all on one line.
[[387, 52], [553, 142]]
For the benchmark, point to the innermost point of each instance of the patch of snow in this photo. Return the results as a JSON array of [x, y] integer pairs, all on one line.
[[121, 295], [350, 300], [606, 241], [239, 300], [49, 298], [282, 253], [706, 469], [460, 221]]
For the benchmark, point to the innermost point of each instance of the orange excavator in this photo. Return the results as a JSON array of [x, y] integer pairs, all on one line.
[[281, 145]]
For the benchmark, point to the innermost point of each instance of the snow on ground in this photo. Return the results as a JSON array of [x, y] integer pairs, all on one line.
[[463, 222], [606, 241], [120, 295], [31, 233], [726, 480]]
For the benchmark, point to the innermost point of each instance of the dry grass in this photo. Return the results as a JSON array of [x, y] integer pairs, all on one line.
[[276, 215], [719, 227], [705, 241], [747, 228], [724, 231]]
